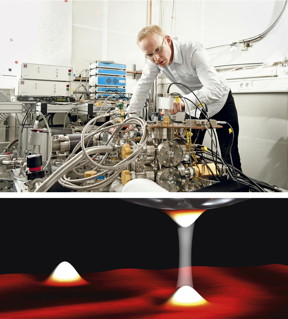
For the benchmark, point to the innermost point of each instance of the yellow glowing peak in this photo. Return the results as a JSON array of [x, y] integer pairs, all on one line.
[[65, 274], [186, 296]]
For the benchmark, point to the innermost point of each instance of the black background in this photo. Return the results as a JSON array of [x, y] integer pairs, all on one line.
[[96, 234]]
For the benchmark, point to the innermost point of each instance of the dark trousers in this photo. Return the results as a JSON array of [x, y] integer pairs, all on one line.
[[227, 114]]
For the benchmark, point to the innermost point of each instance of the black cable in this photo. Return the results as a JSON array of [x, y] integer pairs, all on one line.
[[6, 148], [25, 118], [213, 135], [234, 169], [220, 159], [229, 149], [252, 182], [212, 158], [210, 124], [209, 168], [51, 118], [264, 184], [197, 107], [187, 87], [190, 117], [207, 118]]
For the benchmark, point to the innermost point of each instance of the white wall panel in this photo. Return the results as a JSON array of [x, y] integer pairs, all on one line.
[[35, 32], [263, 140]]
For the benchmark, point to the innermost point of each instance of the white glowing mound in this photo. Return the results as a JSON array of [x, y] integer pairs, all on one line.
[[185, 220], [65, 273], [186, 296]]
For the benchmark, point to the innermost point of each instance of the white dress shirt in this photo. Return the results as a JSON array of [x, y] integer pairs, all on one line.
[[191, 67]]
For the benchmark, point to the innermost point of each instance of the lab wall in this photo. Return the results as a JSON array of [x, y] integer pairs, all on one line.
[[230, 22], [80, 31], [34, 32], [107, 30]]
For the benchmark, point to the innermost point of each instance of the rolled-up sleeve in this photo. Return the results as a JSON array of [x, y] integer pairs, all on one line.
[[143, 86], [192, 72]]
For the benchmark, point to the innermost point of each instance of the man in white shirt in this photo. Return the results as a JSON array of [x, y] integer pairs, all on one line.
[[205, 93]]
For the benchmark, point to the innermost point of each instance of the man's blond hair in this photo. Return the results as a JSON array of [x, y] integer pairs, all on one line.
[[150, 29]]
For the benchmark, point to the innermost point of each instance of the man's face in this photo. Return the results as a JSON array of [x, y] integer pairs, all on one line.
[[157, 49]]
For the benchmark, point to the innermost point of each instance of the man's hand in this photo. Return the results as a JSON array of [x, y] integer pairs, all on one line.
[[129, 128], [126, 127], [177, 107]]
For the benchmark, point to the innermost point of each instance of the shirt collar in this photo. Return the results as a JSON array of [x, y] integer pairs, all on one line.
[[177, 56]]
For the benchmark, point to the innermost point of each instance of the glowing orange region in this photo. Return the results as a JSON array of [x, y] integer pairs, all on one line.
[[186, 296], [65, 275], [184, 218]]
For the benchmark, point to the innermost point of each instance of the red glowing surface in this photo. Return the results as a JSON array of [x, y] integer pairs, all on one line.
[[234, 292], [61, 283]]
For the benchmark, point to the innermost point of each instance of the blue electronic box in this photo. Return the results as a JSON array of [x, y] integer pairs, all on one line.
[[110, 81]]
